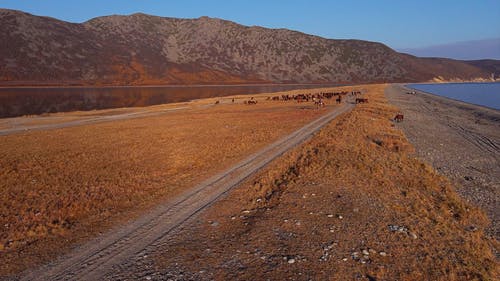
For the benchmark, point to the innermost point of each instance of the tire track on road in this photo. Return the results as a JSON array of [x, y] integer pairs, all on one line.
[[96, 258]]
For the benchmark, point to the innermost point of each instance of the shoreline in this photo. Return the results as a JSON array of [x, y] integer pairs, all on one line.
[[407, 87], [460, 140]]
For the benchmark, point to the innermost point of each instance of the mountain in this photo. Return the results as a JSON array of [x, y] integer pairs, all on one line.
[[141, 49], [467, 50]]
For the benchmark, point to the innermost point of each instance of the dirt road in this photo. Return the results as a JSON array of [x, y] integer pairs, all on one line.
[[462, 141], [86, 121], [94, 259]]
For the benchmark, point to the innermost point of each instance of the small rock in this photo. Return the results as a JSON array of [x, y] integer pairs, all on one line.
[[366, 253], [330, 216], [245, 211], [290, 261], [340, 217], [413, 235], [372, 251], [383, 254], [344, 259], [148, 277], [356, 210]]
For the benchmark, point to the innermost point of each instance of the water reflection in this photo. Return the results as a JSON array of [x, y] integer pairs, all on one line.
[[25, 101]]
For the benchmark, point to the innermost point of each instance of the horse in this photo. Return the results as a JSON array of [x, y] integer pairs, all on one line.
[[399, 117], [361, 100], [251, 102], [339, 99]]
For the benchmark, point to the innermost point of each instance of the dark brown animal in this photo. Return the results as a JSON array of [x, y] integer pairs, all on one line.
[[361, 100], [251, 102], [339, 99], [399, 117]]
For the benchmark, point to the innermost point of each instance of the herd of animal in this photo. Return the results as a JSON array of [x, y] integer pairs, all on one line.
[[318, 99]]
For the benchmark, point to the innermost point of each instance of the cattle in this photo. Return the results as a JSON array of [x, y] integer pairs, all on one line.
[[361, 100], [399, 117], [338, 100]]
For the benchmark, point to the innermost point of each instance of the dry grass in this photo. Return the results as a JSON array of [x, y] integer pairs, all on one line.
[[332, 197], [60, 187]]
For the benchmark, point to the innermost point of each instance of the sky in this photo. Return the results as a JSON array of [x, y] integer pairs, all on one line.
[[399, 24]]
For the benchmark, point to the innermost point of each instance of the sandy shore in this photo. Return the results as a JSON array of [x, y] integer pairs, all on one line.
[[460, 140]]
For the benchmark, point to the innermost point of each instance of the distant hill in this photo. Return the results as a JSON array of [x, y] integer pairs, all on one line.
[[467, 50], [141, 49]]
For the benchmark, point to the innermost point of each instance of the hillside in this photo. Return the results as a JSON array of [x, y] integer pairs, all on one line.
[[142, 49]]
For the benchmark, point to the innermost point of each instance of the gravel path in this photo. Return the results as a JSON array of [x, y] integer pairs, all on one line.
[[98, 259], [460, 140]]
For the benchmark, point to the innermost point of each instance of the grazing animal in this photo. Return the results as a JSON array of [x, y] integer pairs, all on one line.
[[217, 102], [276, 98], [251, 102], [339, 99], [361, 100], [399, 117], [319, 103]]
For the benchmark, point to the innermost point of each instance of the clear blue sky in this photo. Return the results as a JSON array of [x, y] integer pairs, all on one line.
[[397, 23]]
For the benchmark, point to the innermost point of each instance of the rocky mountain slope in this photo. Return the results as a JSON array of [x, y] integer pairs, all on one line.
[[143, 49]]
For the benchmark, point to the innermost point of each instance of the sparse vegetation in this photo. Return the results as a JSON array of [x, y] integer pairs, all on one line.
[[352, 203], [60, 186]]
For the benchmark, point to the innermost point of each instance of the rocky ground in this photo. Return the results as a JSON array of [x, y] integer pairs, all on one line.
[[462, 141]]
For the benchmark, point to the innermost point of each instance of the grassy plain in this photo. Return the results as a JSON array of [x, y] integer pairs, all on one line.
[[60, 187], [353, 203]]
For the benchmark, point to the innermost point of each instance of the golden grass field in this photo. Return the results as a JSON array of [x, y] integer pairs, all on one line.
[[324, 210], [63, 186]]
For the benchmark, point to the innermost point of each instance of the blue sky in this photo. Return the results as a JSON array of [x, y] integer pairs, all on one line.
[[397, 23]]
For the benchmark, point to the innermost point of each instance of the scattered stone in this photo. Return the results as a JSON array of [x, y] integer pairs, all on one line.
[[344, 259], [383, 254], [397, 228], [340, 217], [413, 235], [365, 252], [290, 261], [245, 211], [355, 256], [356, 210], [330, 216], [472, 228]]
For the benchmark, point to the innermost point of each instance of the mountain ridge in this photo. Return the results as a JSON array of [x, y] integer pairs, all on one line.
[[141, 49]]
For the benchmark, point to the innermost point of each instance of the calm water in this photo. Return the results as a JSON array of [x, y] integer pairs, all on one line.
[[485, 94], [33, 100]]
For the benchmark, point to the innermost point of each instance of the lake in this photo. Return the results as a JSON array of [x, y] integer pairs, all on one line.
[[38, 100], [484, 94]]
